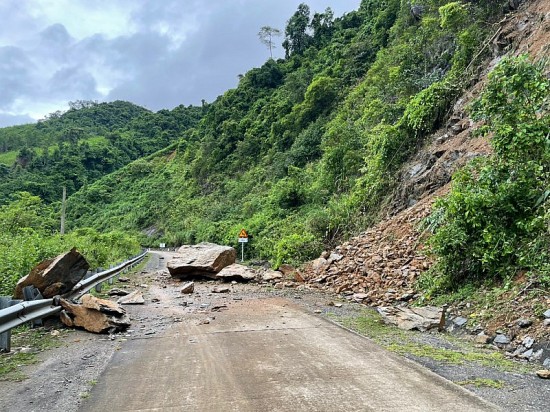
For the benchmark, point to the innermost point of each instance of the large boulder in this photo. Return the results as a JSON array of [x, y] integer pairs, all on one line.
[[204, 259], [408, 318], [236, 272], [55, 276], [94, 315]]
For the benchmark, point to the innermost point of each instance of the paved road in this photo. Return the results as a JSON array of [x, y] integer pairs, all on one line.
[[268, 355]]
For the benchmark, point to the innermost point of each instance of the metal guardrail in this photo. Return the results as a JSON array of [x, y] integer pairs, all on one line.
[[23, 312]]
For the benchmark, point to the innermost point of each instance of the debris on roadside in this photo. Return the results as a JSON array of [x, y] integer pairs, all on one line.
[[94, 315]]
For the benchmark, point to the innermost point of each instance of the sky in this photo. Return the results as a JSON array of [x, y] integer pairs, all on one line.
[[155, 53]]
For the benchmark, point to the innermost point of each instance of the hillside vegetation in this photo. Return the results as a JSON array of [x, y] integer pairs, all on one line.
[[79, 146], [306, 150]]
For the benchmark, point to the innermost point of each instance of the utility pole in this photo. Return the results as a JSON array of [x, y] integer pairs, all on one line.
[[63, 208]]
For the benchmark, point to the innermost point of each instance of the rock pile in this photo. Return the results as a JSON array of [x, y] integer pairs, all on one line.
[[378, 267], [94, 315]]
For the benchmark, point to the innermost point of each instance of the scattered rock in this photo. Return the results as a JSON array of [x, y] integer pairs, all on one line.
[[188, 288], [482, 339], [94, 315], [547, 314], [527, 354], [204, 259], [501, 340], [536, 356], [524, 323], [123, 279], [117, 292], [544, 374], [134, 298], [460, 321], [55, 276], [221, 289], [421, 318], [360, 297], [546, 363], [287, 270], [271, 275], [528, 342], [236, 271], [319, 264]]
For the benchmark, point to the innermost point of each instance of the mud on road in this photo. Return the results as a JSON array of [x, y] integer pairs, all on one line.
[[204, 330]]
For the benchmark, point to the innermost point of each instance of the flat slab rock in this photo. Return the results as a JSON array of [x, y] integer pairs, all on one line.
[[94, 315], [417, 318], [204, 259], [236, 271], [134, 298]]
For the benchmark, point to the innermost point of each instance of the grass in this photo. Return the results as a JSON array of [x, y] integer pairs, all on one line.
[[106, 287], [369, 323], [11, 365], [482, 382]]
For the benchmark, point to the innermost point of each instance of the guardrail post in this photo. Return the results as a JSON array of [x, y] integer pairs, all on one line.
[[31, 293], [5, 338]]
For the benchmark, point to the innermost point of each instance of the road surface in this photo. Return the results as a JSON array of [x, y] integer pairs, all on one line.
[[267, 354]]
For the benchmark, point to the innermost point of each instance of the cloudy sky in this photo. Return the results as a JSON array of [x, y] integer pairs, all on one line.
[[155, 53]]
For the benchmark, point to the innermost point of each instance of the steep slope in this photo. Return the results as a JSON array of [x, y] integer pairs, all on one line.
[[305, 150], [383, 265]]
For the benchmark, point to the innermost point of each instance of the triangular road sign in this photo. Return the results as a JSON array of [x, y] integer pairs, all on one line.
[[243, 234]]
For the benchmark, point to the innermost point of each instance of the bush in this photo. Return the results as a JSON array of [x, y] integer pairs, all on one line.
[[496, 220]]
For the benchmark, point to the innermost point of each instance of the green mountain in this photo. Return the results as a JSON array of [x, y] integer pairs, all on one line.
[[79, 146], [305, 150], [312, 149]]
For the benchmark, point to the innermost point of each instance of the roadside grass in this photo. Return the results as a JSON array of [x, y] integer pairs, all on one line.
[[410, 343], [106, 287], [482, 382], [11, 365]]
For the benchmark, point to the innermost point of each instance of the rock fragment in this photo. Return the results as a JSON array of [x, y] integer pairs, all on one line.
[[236, 271], [188, 288], [94, 315], [134, 298]]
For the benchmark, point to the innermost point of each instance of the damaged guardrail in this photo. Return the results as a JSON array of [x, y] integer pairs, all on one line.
[[16, 314]]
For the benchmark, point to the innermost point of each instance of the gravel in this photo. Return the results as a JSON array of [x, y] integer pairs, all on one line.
[[64, 376]]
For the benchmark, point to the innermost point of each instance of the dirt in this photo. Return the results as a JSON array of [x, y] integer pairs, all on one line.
[[66, 377]]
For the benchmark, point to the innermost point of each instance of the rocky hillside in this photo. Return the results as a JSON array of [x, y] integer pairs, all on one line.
[[382, 265]]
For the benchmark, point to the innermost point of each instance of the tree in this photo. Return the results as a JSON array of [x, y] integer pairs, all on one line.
[[266, 35], [296, 37]]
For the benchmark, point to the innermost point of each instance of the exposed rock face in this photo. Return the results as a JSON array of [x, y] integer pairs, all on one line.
[[237, 272], [422, 318], [204, 259], [94, 315], [55, 276]]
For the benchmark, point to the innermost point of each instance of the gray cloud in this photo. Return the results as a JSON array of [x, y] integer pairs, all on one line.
[[15, 75], [171, 53], [12, 120]]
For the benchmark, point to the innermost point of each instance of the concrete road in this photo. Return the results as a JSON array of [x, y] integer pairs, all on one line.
[[268, 355]]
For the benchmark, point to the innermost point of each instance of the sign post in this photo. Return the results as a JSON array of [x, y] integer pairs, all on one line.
[[243, 238]]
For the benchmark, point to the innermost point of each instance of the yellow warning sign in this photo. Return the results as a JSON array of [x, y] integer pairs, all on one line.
[[243, 234]]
